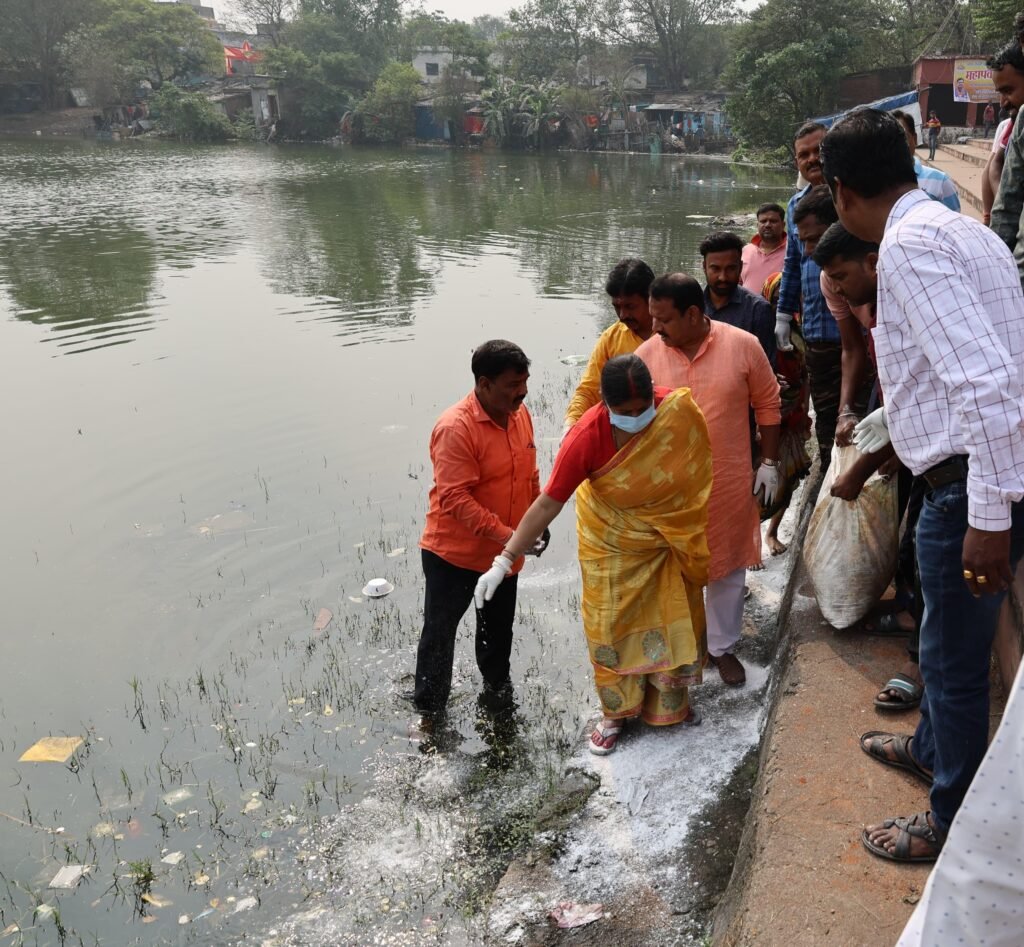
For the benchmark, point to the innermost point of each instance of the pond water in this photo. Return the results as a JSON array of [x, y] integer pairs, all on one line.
[[221, 367]]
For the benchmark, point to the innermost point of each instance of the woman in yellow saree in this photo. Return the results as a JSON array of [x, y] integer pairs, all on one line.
[[640, 464]]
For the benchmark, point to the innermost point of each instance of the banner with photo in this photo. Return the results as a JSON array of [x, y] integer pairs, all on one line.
[[972, 82]]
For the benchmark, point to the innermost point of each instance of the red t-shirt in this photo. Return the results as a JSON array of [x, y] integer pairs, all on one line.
[[587, 447]]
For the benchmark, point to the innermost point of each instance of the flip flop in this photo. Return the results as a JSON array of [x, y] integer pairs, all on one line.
[[915, 827], [909, 694], [604, 740], [904, 760]]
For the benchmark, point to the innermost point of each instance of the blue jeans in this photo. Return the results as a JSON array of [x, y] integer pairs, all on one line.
[[957, 630]]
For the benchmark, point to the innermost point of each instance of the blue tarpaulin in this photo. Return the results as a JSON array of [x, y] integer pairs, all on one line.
[[901, 101]]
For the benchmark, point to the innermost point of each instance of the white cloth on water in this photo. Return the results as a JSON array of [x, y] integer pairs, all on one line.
[[975, 894]]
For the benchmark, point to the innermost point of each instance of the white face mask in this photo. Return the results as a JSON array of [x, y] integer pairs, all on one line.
[[630, 424]]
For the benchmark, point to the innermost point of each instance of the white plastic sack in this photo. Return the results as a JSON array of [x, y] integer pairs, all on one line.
[[851, 546]]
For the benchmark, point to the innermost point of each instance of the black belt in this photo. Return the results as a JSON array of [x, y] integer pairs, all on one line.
[[950, 470]]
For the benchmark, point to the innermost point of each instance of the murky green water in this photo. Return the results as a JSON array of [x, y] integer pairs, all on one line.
[[220, 370]]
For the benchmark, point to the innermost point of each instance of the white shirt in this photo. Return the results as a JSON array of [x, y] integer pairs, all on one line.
[[975, 894], [950, 349]]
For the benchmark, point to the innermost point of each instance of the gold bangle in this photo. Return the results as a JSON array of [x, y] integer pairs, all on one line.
[[968, 574]]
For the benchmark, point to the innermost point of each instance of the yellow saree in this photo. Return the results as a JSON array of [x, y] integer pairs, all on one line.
[[641, 521]]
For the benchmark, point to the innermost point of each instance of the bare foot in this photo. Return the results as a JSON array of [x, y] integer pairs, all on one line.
[[775, 547]]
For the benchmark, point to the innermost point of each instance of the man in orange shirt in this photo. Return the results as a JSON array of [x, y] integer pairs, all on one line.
[[485, 478], [627, 285]]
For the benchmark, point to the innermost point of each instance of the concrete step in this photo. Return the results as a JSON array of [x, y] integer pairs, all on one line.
[[965, 153]]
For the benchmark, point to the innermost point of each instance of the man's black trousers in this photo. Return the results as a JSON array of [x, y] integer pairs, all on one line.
[[449, 592]]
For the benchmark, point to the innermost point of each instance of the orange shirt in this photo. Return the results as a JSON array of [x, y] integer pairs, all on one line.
[[728, 376], [485, 478]]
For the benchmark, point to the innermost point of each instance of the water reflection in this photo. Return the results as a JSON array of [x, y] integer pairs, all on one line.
[[94, 288], [355, 238]]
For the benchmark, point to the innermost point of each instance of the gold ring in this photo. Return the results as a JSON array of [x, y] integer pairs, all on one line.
[[982, 579], [968, 574]]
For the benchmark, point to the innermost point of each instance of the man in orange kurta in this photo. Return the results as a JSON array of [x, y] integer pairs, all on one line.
[[727, 373]]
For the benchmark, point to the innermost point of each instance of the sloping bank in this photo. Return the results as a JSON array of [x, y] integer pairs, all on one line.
[[652, 831]]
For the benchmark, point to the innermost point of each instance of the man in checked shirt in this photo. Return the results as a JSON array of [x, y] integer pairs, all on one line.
[[949, 344]]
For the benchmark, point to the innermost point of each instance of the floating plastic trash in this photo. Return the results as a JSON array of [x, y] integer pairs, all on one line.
[[174, 858], [51, 750], [378, 588], [569, 914], [156, 900], [574, 359], [177, 795], [245, 904], [397, 551], [323, 619], [69, 876]]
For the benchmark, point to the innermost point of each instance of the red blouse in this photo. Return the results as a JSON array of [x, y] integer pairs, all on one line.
[[587, 447]]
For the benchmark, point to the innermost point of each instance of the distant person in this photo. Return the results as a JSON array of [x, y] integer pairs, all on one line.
[[934, 127], [936, 184], [485, 478], [766, 252], [1007, 215], [725, 300], [627, 287], [989, 118], [639, 463], [801, 292], [728, 373], [949, 343]]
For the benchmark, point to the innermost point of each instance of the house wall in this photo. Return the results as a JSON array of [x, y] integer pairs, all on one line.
[[430, 64]]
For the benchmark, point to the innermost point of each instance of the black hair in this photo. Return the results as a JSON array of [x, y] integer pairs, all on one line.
[[867, 151], [908, 120], [1018, 26], [720, 241], [624, 378], [629, 277], [683, 290], [817, 202], [497, 356], [1009, 55], [773, 208], [838, 242], [808, 128]]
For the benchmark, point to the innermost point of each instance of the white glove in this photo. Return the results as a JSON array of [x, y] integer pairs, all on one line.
[[768, 478], [782, 333], [488, 583], [872, 434]]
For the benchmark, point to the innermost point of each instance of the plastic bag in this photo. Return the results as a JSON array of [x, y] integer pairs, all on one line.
[[851, 546]]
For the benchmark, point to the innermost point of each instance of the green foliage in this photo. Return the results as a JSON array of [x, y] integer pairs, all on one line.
[[34, 35], [386, 112], [519, 114], [993, 19], [321, 87], [158, 42], [548, 39], [189, 116]]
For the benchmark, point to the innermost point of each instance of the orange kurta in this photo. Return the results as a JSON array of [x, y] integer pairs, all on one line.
[[729, 375]]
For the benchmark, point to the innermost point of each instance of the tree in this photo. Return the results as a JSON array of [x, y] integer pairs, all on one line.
[[139, 40], [273, 14], [549, 38], [487, 27], [189, 116], [993, 20], [386, 113], [435, 31], [673, 30], [34, 38]]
